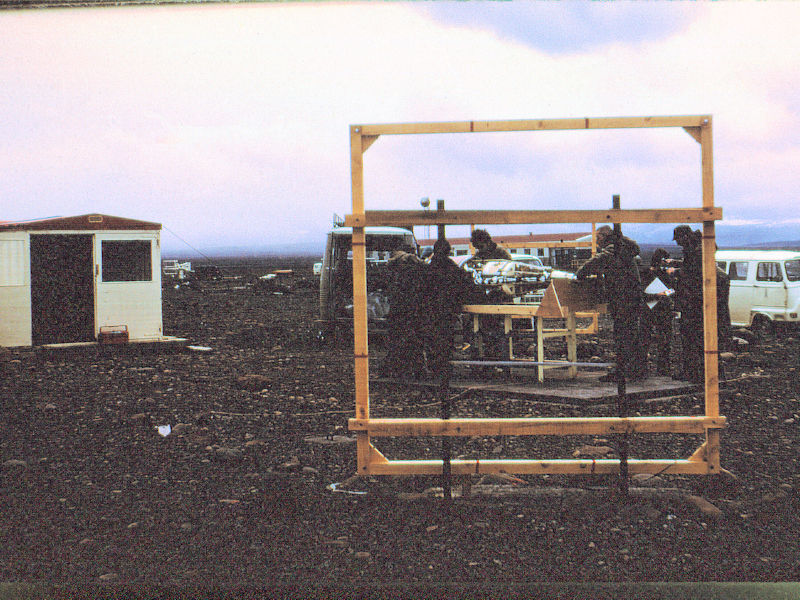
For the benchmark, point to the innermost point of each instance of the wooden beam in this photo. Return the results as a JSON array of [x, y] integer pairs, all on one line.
[[709, 247], [540, 467], [360, 335], [534, 426], [694, 132], [367, 141], [515, 217], [531, 125], [521, 310]]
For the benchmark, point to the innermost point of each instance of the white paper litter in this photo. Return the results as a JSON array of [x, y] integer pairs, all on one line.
[[657, 287], [164, 430]]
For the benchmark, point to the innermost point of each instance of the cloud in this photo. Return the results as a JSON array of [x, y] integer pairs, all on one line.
[[231, 120]]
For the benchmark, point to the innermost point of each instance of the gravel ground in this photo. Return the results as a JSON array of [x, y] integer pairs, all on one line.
[[238, 493]]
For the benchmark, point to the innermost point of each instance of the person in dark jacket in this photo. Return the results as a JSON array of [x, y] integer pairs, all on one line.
[[486, 248], [657, 320], [689, 302], [404, 355], [615, 264], [445, 288], [724, 327], [492, 327]]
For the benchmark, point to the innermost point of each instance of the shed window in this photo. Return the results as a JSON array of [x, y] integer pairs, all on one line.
[[127, 260]]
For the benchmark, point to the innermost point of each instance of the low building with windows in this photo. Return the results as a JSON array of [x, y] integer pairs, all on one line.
[[66, 279], [560, 250]]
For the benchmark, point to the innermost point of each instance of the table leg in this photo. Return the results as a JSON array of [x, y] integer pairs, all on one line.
[[507, 327], [572, 344], [540, 347], [477, 338]]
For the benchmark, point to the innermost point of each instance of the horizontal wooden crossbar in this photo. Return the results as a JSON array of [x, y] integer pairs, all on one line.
[[534, 426], [529, 363], [531, 125], [523, 217], [540, 467]]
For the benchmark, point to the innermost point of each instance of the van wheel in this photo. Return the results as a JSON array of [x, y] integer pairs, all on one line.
[[763, 327]]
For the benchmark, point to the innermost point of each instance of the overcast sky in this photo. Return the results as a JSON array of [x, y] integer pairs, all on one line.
[[228, 124]]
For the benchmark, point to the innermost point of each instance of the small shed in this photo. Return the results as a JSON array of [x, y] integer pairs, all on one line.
[[63, 278]]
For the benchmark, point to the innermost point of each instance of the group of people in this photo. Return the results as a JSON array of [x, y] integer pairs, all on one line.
[[425, 299], [642, 320]]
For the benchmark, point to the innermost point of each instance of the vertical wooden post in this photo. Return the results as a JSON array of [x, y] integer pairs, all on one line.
[[595, 318], [710, 296], [360, 333]]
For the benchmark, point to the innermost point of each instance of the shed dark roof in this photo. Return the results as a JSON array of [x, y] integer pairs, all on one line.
[[92, 222]]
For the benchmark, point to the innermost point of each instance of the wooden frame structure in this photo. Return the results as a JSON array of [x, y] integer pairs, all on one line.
[[705, 460]]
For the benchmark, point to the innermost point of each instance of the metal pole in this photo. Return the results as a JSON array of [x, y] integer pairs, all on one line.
[[444, 397], [622, 397], [440, 228], [444, 404], [622, 407]]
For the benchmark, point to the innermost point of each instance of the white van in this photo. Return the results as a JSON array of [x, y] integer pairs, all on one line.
[[765, 286]]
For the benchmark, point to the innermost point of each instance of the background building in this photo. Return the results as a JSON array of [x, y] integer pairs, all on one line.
[[560, 250]]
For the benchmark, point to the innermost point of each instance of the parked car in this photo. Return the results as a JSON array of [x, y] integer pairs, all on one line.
[[765, 286]]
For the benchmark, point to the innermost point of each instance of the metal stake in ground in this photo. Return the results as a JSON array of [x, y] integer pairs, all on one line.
[[622, 397], [444, 404], [444, 396], [622, 409]]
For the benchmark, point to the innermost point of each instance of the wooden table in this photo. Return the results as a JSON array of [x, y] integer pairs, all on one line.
[[533, 312]]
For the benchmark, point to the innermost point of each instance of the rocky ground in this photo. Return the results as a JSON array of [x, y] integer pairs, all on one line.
[[239, 492]]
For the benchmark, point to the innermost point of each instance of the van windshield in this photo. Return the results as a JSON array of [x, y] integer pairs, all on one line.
[[792, 270]]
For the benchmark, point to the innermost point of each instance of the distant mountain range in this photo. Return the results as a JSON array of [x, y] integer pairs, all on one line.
[[785, 236]]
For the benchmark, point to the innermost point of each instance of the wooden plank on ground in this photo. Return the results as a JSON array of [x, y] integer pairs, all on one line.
[[382, 427], [539, 467]]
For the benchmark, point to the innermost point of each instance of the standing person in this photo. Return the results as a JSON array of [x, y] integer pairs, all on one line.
[[657, 320], [404, 356], [486, 248], [492, 327], [724, 328], [615, 264], [444, 289], [689, 301]]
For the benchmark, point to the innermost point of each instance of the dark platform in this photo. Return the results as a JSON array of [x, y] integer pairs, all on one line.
[[585, 387]]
